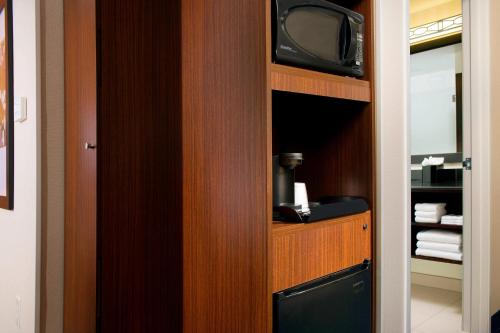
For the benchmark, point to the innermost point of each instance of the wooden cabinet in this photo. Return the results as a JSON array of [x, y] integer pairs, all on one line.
[[304, 252], [169, 209], [166, 219], [330, 119]]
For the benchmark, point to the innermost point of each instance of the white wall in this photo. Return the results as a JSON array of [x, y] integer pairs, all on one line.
[[393, 164], [19, 229]]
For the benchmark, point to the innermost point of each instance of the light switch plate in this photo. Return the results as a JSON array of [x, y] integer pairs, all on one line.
[[20, 112]]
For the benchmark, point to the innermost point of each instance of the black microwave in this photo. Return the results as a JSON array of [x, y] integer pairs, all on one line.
[[318, 34]]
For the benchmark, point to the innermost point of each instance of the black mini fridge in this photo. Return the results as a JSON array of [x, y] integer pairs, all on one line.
[[337, 303]]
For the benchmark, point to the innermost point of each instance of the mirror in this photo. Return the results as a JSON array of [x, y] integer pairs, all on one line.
[[435, 100]]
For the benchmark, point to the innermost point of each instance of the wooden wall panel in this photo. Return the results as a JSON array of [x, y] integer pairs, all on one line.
[[140, 166], [226, 225], [80, 165], [304, 252]]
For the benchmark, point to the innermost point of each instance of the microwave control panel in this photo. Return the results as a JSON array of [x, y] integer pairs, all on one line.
[[359, 50]]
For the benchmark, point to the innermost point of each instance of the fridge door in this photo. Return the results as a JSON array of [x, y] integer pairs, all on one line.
[[337, 303]]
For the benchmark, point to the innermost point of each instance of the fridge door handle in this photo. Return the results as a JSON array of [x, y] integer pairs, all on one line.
[[293, 293]]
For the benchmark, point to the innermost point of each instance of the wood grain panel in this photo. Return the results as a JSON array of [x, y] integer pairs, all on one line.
[[269, 162], [297, 80], [367, 8], [303, 252], [80, 164], [140, 166], [224, 125]]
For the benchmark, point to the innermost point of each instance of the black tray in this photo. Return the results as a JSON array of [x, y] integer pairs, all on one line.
[[326, 208]]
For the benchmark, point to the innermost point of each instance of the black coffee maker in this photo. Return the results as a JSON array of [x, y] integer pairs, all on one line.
[[284, 207], [284, 180]]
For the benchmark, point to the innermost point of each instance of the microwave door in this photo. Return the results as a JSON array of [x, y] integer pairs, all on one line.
[[315, 31], [319, 35]]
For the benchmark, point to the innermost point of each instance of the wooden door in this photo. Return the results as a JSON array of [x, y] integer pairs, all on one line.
[[80, 168], [140, 166]]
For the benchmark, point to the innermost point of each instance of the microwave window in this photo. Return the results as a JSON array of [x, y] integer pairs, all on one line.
[[316, 31]]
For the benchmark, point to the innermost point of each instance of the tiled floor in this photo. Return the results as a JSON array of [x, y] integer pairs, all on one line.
[[435, 310]]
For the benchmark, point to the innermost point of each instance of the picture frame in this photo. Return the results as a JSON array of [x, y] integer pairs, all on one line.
[[6, 107]]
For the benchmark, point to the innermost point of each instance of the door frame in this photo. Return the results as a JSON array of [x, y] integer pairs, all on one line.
[[393, 240], [392, 55], [467, 175], [480, 83]]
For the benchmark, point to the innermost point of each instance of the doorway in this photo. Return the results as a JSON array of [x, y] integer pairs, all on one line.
[[440, 186]]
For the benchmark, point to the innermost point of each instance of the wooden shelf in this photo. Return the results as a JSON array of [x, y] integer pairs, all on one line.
[[303, 81], [437, 226], [437, 189], [448, 261]]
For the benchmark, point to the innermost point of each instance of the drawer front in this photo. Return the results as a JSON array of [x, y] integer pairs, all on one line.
[[305, 252]]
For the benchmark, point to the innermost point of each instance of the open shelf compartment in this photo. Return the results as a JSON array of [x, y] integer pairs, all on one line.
[[436, 226], [336, 138]]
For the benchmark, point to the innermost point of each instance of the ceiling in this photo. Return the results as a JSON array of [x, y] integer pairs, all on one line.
[[421, 5], [426, 11]]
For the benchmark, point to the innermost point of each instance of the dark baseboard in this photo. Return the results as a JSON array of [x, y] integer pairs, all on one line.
[[495, 322]]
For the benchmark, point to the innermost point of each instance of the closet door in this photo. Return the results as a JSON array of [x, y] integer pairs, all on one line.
[[80, 177], [140, 167]]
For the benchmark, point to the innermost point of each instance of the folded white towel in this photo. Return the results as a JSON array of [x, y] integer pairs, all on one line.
[[439, 254], [453, 217], [420, 219], [436, 214], [429, 207], [442, 236], [455, 248], [433, 161], [451, 222]]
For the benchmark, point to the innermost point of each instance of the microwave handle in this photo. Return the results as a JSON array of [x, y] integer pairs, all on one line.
[[351, 39]]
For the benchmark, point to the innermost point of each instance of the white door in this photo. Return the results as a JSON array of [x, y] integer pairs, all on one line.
[[467, 174]]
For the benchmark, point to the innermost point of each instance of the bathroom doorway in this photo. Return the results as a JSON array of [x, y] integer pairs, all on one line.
[[440, 185]]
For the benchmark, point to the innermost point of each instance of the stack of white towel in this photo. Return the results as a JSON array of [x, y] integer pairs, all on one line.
[[429, 212], [439, 244], [452, 219]]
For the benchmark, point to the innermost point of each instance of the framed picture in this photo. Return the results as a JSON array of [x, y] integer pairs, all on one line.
[[6, 108]]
